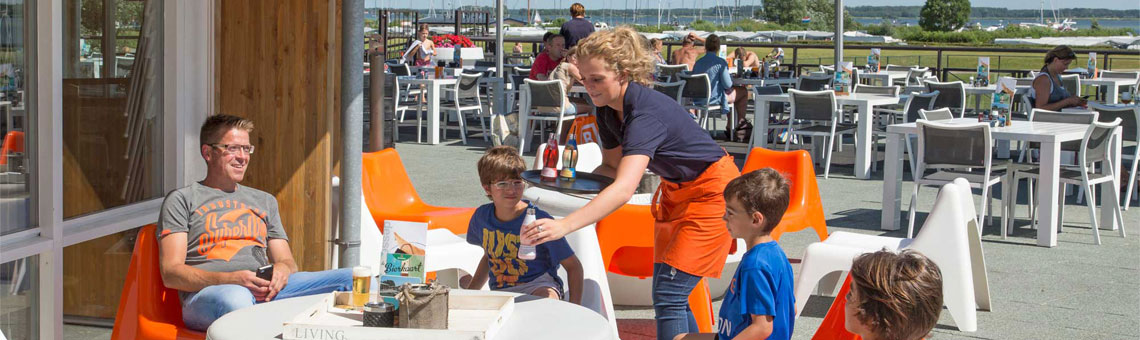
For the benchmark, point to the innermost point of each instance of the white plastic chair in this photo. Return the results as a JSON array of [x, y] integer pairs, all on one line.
[[941, 240]]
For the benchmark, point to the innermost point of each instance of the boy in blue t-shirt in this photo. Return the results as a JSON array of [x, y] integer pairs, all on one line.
[[495, 227], [760, 301]]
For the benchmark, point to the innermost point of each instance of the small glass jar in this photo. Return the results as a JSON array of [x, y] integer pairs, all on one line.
[[379, 314]]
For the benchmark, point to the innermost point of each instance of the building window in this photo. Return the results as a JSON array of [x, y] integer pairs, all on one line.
[[112, 104], [17, 161], [19, 299]]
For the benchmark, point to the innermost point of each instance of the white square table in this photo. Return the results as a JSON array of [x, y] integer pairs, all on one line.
[[433, 86], [1050, 135], [1112, 86], [886, 78], [863, 101]]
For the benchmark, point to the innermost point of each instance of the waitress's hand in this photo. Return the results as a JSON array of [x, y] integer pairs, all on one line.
[[545, 230]]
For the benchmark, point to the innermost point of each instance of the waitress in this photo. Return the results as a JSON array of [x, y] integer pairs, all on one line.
[[641, 128], [1048, 93]]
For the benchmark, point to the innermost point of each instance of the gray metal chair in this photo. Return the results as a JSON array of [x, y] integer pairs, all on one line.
[[464, 96], [407, 91], [971, 149], [669, 73], [914, 102], [1094, 148], [883, 90], [1072, 82], [952, 95], [671, 89], [936, 114], [916, 76], [813, 83], [1130, 150], [397, 103], [547, 104], [698, 90], [817, 108]]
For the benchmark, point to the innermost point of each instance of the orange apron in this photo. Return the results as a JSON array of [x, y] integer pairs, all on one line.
[[690, 233]]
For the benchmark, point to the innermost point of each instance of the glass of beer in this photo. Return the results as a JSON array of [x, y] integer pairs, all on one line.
[[361, 281], [1126, 98]]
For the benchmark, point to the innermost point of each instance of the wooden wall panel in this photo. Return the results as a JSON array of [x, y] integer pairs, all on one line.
[[273, 65]]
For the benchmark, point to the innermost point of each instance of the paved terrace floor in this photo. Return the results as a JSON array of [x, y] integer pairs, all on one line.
[[1076, 290]]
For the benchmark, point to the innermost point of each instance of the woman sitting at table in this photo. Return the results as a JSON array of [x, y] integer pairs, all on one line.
[[641, 128], [1048, 93]]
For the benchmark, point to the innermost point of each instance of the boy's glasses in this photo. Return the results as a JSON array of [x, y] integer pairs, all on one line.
[[504, 185]]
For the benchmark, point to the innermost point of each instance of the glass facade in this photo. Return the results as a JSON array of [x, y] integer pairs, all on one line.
[[19, 301], [17, 128]]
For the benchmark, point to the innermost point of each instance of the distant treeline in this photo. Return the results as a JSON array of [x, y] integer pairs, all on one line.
[[892, 12]]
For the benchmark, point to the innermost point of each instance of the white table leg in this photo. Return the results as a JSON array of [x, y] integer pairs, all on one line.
[[892, 182], [524, 124], [1110, 93], [596, 287], [1107, 210], [1047, 188], [499, 91], [863, 153], [759, 124], [433, 112], [1002, 148]]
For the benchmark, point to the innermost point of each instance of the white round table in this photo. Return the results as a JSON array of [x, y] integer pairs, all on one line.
[[533, 317]]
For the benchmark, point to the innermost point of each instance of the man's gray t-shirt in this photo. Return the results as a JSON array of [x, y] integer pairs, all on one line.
[[222, 228]]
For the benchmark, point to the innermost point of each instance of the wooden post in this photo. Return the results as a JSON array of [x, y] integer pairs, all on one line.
[[376, 104], [938, 68], [458, 22], [384, 33]]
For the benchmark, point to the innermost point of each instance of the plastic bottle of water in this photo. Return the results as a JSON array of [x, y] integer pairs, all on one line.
[[526, 251]]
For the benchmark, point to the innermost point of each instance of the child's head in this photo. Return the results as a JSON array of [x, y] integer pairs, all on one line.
[[893, 296], [500, 171], [755, 202]]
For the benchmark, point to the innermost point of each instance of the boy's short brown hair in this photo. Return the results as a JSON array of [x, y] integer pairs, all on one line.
[[764, 191], [217, 125], [900, 295], [500, 163], [577, 10]]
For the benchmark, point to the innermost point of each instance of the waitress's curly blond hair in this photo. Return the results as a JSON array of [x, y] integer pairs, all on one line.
[[622, 50]]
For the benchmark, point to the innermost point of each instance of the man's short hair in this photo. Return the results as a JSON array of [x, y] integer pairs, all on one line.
[[216, 126], [546, 36], [500, 163], [577, 10], [764, 191], [712, 43], [900, 295], [686, 41]]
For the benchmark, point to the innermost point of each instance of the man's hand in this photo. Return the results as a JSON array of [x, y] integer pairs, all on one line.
[[256, 285], [280, 278]]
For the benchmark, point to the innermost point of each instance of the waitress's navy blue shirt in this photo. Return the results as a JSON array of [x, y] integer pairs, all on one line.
[[655, 125]]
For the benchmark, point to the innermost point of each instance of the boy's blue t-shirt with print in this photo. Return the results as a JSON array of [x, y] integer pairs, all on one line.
[[762, 285], [500, 241]]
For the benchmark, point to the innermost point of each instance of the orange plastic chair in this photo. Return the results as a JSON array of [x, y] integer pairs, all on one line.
[[147, 309], [805, 210], [390, 195], [626, 241], [13, 142], [833, 327]]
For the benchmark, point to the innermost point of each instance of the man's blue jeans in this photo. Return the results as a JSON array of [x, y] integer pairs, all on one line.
[[671, 289], [200, 309]]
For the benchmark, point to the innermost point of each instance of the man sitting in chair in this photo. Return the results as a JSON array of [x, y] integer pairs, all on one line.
[[215, 236]]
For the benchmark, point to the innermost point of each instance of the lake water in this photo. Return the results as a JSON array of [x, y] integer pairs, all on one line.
[[1134, 24]]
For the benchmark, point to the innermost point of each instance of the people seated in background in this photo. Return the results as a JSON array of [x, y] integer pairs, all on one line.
[[1048, 92], [567, 72], [214, 234], [720, 81], [893, 296], [745, 57], [421, 50], [551, 56], [517, 49], [656, 44], [776, 56], [760, 300], [495, 227], [688, 53]]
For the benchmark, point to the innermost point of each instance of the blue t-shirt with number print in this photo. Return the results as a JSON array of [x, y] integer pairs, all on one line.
[[762, 285], [500, 241]]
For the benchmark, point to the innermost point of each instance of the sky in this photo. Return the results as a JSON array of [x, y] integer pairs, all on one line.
[[622, 4]]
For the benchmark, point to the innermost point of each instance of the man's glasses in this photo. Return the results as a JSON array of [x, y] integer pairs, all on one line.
[[234, 148], [504, 185]]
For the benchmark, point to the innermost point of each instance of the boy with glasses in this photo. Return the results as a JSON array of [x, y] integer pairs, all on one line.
[[495, 227]]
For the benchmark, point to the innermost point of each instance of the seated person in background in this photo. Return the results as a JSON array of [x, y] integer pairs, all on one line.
[[517, 49], [215, 233], [776, 56], [760, 301], [495, 227], [551, 56], [748, 58], [688, 52], [656, 44], [1048, 92], [893, 296], [720, 81], [567, 72]]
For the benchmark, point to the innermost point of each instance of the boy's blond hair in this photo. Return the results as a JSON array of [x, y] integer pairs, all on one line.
[[764, 191], [500, 163], [900, 295]]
